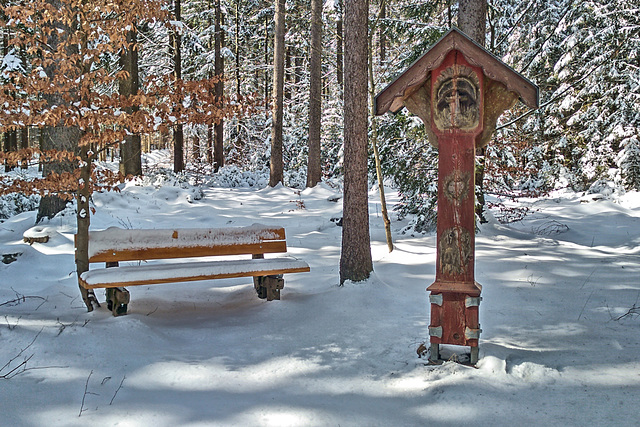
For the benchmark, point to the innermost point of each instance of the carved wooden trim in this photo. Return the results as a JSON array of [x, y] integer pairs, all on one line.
[[393, 96]]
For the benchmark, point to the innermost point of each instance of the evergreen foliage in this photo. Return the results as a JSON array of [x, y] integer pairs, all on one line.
[[583, 56]]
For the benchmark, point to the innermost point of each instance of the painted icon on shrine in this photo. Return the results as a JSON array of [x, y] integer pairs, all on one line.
[[456, 93], [456, 186], [456, 251]]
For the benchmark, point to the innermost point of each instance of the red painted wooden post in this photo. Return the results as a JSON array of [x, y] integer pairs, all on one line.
[[446, 87], [457, 106]]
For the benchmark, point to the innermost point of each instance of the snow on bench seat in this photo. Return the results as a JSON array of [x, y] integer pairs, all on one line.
[[189, 271], [117, 244]]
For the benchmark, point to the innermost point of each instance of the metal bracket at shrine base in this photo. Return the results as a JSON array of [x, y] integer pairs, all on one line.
[[454, 317], [435, 299]]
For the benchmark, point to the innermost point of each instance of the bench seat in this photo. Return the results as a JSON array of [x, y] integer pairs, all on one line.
[[179, 248], [148, 274]]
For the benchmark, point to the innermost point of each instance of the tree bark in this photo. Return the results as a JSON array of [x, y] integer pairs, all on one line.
[[83, 219], [178, 133], [209, 144], [267, 81], [218, 129], [382, 37], [314, 163], [472, 20], [339, 44], [24, 144], [289, 74], [60, 137], [355, 259], [131, 149], [10, 144], [276, 164], [237, 49]]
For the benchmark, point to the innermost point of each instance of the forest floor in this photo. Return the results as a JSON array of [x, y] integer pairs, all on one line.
[[560, 320]]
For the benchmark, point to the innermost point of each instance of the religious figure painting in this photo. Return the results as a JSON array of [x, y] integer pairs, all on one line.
[[456, 99]]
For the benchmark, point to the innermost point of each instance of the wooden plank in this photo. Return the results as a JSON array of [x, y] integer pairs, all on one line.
[[190, 252], [115, 244], [187, 272]]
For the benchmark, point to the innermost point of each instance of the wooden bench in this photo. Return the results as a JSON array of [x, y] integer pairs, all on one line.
[[115, 245]]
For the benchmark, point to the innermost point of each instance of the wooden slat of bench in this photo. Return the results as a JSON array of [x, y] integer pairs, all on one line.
[[116, 244], [268, 247], [189, 271]]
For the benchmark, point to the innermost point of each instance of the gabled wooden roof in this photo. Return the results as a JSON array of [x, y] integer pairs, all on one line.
[[392, 97]]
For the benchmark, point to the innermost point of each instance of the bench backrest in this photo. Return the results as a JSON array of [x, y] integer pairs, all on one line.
[[116, 244]]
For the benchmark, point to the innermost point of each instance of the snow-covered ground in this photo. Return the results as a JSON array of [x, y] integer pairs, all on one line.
[[556, 348]]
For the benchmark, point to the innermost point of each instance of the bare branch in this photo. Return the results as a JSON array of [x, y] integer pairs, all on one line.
[[86, 386], [635, 310], [118, 389], [13, 372]]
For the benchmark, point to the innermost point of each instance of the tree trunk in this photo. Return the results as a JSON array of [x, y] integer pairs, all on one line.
[[355, 259], [24, 144], [267, 101], [314, 164], [276, 165], [178, 133], [210, 144], [237, 50], [218, 129], [472, 20], [62, 139], [382, 38], [5, 136], [10, 144], [83, 219], [289, 74], [339, 44], [131, 149], [374, 128], [59, 138]]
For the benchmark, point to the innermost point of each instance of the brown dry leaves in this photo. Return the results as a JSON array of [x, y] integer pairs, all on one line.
[[63, 81]]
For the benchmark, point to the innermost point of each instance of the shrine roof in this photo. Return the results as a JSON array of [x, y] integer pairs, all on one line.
[[392, 97]]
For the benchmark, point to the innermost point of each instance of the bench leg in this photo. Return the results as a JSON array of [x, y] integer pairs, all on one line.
[[269, 286], [89, 298], [118, 300], [258, 284]]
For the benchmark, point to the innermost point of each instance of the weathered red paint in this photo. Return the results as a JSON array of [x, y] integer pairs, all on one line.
[[455, 260], [441, 88]]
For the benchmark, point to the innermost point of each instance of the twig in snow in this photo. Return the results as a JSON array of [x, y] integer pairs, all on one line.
[[587, 279], [12, 373], [86, 387], [45, 300], [118, 389], [585, 304], [633, 310], [21, 299], [590, 295], [6, 319]]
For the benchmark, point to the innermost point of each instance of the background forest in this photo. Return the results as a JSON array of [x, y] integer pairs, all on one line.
[[181, 92], [582, 54]]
